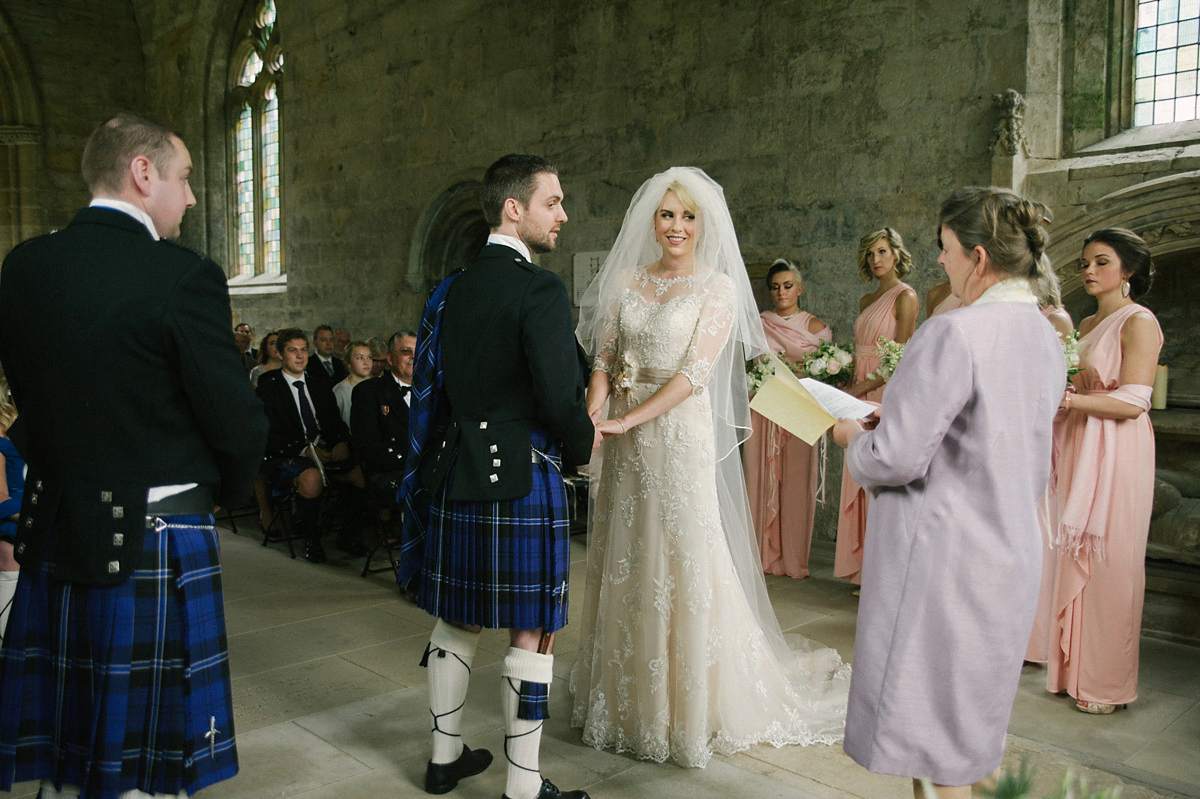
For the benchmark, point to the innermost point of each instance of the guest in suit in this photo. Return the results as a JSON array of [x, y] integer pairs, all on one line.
[[379, 420], [499, 408], [323, 364], [341, 340], [118, 619], [305, 429], [243, 337]]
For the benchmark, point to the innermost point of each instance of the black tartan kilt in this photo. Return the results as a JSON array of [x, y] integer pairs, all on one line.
[[502, 565]]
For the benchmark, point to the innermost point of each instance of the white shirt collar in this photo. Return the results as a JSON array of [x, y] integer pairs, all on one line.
[[291, 381], [510, 241], [127, 208], [399, 382]]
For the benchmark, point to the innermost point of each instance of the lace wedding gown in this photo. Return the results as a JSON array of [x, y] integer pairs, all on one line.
[[674, 663]]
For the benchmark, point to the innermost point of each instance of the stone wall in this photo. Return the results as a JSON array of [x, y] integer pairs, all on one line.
[[86, 62]]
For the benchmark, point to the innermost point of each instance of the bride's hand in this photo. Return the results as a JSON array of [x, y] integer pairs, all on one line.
[[610, 427]]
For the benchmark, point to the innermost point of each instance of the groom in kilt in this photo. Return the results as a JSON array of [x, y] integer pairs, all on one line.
[[114, 675], [498, 407]]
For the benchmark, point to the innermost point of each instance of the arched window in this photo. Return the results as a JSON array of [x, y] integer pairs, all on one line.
[[254, 125], [1166, 44]]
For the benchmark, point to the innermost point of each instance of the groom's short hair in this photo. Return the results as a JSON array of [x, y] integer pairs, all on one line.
[[512, 176]]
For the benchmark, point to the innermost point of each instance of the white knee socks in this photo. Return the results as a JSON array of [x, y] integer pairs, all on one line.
[[522, 739], [452, 649], [8, 587]]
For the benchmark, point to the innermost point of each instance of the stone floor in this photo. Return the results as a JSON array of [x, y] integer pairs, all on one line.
[[330, 702]]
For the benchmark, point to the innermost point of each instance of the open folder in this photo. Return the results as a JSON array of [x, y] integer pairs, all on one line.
[[804, 407]]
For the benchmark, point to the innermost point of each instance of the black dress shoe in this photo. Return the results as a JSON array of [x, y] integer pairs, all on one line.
[[550, 791], [442, 777], [315, 553]]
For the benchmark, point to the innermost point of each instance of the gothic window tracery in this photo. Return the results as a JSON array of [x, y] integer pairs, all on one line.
[[254, 125]]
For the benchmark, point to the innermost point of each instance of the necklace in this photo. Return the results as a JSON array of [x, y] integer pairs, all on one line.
[[662, 284], [789, 316]]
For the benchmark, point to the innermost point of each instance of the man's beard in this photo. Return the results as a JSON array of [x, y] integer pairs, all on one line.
[[537, 241]]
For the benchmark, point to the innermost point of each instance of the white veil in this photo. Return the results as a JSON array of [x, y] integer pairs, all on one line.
[[716, 252]]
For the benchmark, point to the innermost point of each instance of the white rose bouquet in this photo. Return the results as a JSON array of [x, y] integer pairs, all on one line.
[[829, 363], [889, 353], [1071, 350]]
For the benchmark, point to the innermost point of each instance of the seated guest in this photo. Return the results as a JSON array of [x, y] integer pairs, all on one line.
[[306, 435], [358, 366], [379, 353], [379, 420], [341, 340], [324, 365], [243, 337], [268, 357]]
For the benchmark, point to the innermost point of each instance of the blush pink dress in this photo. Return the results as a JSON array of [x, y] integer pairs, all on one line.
[[879, 319], [1047, 515], [781, 470], [949, 304], [1105, 487]]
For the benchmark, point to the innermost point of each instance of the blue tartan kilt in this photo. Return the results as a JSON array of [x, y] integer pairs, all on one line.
[[117, 688], [505, 564]]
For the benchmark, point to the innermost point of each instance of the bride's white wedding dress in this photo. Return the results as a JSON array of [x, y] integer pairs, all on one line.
[[674, 662]]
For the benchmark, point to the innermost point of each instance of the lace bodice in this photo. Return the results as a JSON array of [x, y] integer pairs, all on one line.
[[673, 326]]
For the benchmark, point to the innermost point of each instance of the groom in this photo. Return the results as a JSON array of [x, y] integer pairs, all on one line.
[[499, 394]]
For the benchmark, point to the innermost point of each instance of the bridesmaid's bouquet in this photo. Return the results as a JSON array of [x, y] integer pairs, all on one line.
[[1070, 346], [828, 363], [889, 353], [762, 369]]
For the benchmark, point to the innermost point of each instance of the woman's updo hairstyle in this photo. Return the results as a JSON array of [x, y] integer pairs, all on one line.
[[1012, 230], [904, 261], [1136, 265], [781, 265]]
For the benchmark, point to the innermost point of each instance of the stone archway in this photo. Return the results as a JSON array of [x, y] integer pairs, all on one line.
[[450, 233], [20, 143]]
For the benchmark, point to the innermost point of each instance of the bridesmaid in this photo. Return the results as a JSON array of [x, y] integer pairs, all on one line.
[[1105, 481], [941, 299], [781, 470], [1049, 297], [891, 312]]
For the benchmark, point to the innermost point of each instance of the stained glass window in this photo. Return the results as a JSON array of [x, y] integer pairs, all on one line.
[[1165, 61], [255, 132]]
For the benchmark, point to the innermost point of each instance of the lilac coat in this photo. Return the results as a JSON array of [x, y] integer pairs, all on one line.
[[950, 580]]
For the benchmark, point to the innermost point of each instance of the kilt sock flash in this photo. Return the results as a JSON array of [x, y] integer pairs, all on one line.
[[522, 738], [448, 658]]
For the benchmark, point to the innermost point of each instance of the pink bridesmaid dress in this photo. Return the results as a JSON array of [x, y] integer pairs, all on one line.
[[1105, 487], [781, 470], [879, 319]]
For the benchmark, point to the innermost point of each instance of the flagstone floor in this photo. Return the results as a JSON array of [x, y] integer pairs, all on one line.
[[330, 702]]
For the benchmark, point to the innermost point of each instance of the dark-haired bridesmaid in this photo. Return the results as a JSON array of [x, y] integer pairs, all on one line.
[[1105, 482]]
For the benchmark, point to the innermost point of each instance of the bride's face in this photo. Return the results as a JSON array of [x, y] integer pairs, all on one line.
[[674, 227]]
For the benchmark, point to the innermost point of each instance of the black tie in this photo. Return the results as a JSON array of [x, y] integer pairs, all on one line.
[[404, 391], [311, 429]]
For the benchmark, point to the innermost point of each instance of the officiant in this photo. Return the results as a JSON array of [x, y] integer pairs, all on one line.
[[955, 468]]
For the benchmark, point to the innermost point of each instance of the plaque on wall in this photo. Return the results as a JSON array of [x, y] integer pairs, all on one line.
[[586, 264]]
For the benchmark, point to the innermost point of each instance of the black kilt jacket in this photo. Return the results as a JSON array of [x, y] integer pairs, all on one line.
[[286, 431], [154, 395], [511, 364], [379, 424]]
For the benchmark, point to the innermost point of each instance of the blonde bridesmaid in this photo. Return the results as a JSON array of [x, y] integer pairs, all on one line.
[[781, 470], [889, 312]]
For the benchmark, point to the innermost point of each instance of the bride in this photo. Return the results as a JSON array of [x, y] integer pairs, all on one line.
[[681, 654]]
